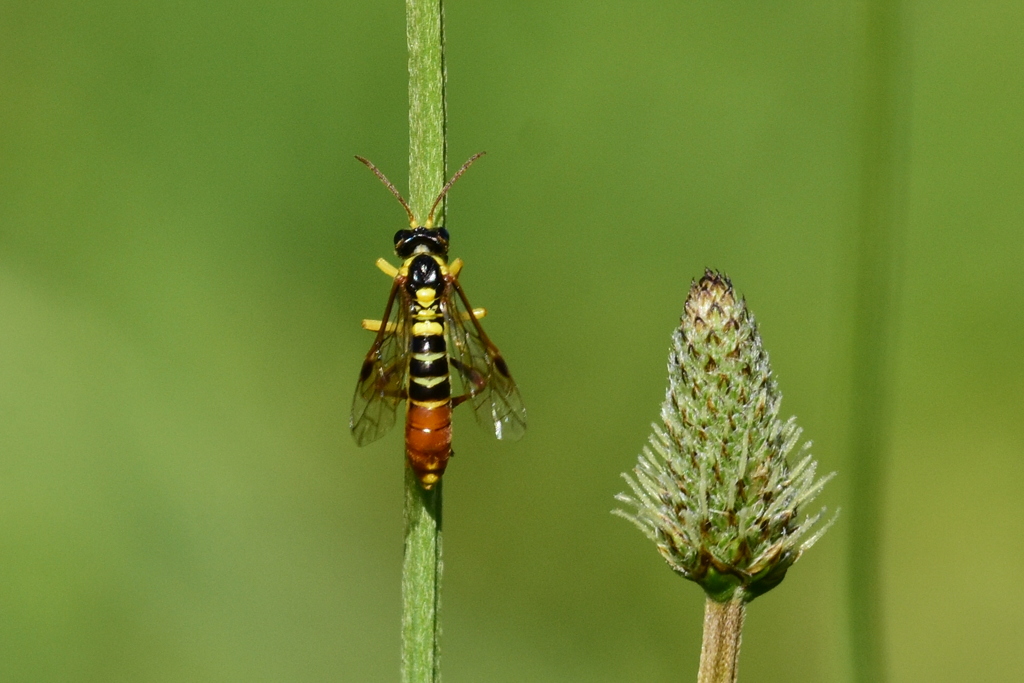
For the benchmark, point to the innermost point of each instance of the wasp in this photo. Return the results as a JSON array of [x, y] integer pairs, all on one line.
[[430, 350]]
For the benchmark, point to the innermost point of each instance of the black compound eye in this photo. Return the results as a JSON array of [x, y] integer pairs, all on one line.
[[402, 235], [443, 232]]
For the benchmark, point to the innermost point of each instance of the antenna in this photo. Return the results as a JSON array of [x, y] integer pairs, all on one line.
[[444, 190], [398, 195]]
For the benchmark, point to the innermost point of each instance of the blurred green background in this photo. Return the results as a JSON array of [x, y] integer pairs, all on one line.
[[186, 250]]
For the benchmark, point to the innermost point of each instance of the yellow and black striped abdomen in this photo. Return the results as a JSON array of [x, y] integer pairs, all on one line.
[[428, 364], [428, 430]]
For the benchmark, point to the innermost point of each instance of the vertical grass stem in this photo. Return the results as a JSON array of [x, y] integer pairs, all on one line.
[[428, 149], [421, 583], [422, 565]]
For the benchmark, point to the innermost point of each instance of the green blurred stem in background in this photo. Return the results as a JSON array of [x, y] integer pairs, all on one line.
[[878, 242], [421, 567]]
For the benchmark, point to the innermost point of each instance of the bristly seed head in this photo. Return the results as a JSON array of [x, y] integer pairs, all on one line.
[[713, 487]]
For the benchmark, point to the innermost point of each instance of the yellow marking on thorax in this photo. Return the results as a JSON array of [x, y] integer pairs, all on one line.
[[423, 329], [425, 296], [426, 314]]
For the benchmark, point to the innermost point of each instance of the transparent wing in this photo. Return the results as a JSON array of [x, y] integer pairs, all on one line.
[[382, 379], [481, 373]]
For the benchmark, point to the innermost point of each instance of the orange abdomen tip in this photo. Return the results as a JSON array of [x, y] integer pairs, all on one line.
[[428, 441]]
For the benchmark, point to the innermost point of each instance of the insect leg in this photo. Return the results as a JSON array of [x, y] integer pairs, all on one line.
[[455, 267], [387, 268], [375, 325]]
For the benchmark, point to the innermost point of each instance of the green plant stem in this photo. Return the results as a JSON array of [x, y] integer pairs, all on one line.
[[428, 148], [421, 583], [878, 243], [422, 565], [723, 631]]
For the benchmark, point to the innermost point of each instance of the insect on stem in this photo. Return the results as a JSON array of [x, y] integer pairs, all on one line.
[[432, 352]]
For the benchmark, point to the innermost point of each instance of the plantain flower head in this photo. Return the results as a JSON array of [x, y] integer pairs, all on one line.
[[714, 488]]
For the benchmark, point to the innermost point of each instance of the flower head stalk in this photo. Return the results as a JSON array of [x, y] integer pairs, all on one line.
[[714, 487]]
